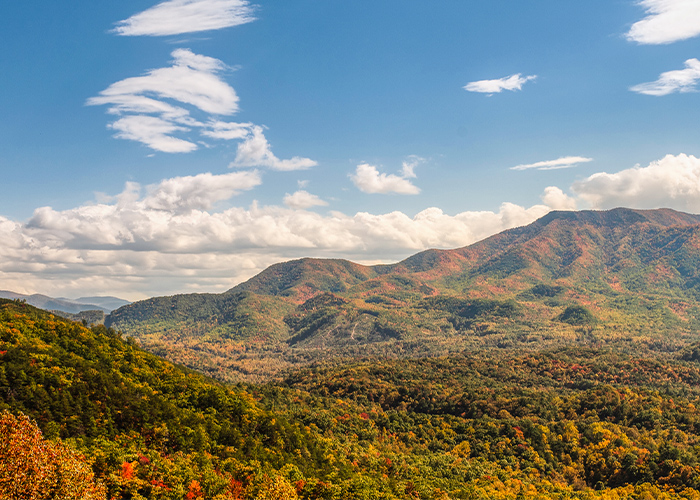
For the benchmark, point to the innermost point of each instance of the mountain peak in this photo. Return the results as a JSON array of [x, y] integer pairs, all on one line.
[[622, 216]]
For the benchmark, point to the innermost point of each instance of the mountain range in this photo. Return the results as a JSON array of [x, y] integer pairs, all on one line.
[[62, 304], [624, 279]]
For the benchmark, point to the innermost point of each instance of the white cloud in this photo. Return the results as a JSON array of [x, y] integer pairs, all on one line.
[[409, 165], [672, 182], [156, 108], [667, 21], [192, 79], [255, 151], [512, 82], [368, 180], [559, 163], [303, 200], [170, 237], [199, 192], [227, 130], [153, 132], [175, 17], [682, 80], [556, 199]]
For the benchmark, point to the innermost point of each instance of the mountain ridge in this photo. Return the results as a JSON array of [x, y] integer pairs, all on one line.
[[620, 273], [65, 305]]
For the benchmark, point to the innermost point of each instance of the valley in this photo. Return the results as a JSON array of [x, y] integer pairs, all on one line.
[[559, 360]]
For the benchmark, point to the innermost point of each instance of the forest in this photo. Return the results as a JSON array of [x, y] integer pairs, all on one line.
[[105, 419]]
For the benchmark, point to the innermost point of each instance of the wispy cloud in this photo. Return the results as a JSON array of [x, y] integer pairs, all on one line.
[[176, 17], [158, 110], [559, 163], [681, 80], [226, 130], [667, 21], [255, 151], [302, 200], [512, 82], [152, 131], [369, 180], [192, 80], [409, 165]]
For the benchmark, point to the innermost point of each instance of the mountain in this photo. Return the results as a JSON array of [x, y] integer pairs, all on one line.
[[50, 303], [108, 303], [70, 306], [625, 279]]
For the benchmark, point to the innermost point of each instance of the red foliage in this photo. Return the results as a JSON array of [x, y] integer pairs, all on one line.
[[236, 489]]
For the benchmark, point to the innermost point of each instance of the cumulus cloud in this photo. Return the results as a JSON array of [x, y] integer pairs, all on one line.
[[302, 200], [175, 17], [175, 236], [255, 151], [172, 237], [667, 21], [199, 192], [512, 82], [673, 182], [681, 80], [369, 180], [556, 199], [559, 163]]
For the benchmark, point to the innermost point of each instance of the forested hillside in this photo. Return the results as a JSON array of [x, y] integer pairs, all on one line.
[[623, 279], [120, 423]]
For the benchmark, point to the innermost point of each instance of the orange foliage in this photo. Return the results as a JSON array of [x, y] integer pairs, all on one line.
[[34, 468], [194, 490], [127, 471]]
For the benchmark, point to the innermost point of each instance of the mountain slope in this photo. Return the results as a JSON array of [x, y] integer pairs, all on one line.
[[623, 278], [574, 423]]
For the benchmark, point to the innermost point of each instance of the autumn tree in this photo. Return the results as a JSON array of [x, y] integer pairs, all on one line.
[[33, 468]]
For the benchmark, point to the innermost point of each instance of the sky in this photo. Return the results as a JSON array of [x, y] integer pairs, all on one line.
[[153, 148]]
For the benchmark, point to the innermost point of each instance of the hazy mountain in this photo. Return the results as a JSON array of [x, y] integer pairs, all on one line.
[[104, 304], [629, 279]]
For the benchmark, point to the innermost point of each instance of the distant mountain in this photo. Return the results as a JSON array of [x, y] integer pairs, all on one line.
[[104, 304], [627, 279]]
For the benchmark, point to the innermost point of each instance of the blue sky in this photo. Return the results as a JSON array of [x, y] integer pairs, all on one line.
[[155, 148]]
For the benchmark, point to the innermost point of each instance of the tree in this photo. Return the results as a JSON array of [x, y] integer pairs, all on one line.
[[33, 468]]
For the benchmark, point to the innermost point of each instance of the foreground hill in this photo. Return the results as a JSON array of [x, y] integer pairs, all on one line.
[[120, 423], [623, 278]]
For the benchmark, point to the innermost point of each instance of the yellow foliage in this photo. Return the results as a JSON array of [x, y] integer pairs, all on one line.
[[33, 468]]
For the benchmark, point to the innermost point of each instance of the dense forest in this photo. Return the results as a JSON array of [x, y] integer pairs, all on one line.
[[105, 419]]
